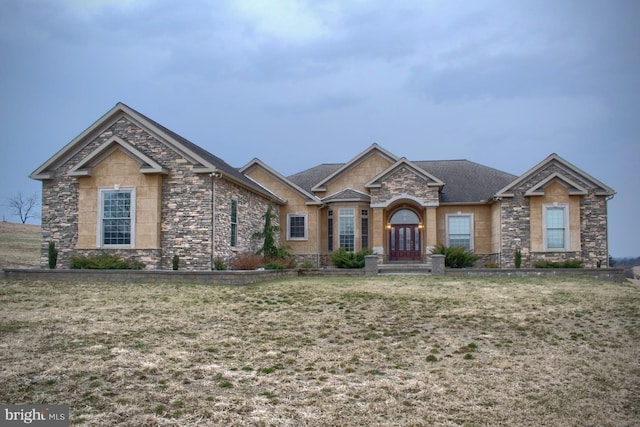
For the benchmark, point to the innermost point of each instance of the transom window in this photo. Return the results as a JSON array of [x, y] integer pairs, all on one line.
[[117, 217], [296, 227], [347, 228], [460, 231], [555, 226]]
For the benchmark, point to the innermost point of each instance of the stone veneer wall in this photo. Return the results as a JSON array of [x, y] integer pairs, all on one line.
[[251, 210], [186, 211], [397, 183], [515, 222], [59, 217]]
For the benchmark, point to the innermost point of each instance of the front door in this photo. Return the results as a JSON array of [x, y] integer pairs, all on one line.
[[404, 242]]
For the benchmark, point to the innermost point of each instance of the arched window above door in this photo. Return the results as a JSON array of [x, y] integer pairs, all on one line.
[[404, 216]]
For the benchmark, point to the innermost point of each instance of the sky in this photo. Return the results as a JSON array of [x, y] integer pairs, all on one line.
[[297, 83]]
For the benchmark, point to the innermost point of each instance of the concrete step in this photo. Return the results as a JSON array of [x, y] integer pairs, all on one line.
[[411, 268]]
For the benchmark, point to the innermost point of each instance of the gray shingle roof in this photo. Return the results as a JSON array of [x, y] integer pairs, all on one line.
[[465, 181], [307, 179], [216, 161]]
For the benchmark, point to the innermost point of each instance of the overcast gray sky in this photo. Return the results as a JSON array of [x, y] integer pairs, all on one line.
[[297, 83]]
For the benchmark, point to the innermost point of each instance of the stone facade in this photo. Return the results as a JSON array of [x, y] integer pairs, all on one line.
[[516, 223], [186, 208], [403, 182]]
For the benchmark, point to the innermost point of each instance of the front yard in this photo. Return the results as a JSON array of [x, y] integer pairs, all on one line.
[[388, 351]]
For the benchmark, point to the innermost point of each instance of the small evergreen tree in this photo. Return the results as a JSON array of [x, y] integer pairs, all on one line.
[[518, 257], [268, 233], [53, 255]]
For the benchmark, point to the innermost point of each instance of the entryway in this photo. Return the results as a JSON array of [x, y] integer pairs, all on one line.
[[404, 236]]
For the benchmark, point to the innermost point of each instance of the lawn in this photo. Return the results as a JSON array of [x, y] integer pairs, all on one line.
[[19, 245], [382, 351]]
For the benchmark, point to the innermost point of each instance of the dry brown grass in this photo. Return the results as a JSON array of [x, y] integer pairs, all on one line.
[[390, 351], [19, 245]]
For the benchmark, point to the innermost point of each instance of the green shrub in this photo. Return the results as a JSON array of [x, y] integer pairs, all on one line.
[[219, 263], [274, 264], [307, 265], [572, 263], [456, 256], [518, 258], [175, 262], [343, 259], [53, 255], [105, 262]]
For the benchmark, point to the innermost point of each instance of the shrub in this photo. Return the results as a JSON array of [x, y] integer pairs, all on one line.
[[518, 258], [219, 263], [105, 262], [175, 262], [572, 263], [456, 256], [307, 265], [343, 259], [246, 261], [275, 264], [53, 255]]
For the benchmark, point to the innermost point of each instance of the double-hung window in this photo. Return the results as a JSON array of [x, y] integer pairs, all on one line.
[[347, 228], [460, 231], [296, 227], [330, 230], [364, 228], [117, 217], [234, 224], [555, 221]]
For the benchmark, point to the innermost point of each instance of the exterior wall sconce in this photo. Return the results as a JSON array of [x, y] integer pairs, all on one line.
[[389, 226], [420, 226]]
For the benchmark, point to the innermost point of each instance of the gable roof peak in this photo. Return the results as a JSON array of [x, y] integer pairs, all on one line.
[[373, 147], [600, 188]]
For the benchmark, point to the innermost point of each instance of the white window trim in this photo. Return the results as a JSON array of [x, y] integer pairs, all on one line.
[[567, 242], [355, 226], [306, 226], [99, 236], [231, 223], [471, 228]]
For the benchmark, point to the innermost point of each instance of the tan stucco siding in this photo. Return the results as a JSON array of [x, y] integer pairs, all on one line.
[[495, 227], [482, 225], [296, 204], [120, 169], [554, 193], [358, 175]]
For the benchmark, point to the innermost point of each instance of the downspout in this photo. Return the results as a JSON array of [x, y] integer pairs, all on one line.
[[214, 175]]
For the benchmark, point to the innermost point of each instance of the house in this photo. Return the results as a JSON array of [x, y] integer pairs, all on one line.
[[129, 186]]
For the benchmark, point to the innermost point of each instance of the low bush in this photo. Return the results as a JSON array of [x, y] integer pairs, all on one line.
[[571, 263], [456, 256], [343, 259], [246, 261], [105, 262], [219, 263]]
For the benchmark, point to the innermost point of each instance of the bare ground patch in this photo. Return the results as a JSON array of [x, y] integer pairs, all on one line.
[[392, 351]]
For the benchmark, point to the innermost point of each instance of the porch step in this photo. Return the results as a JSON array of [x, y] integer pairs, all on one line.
[[408, 268]]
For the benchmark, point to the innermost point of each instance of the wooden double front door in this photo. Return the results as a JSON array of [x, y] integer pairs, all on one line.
[[404, 242]]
